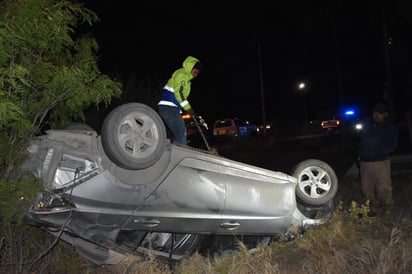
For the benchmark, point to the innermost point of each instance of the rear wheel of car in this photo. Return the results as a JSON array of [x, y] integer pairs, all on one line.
[[317, 182], [133, 136]]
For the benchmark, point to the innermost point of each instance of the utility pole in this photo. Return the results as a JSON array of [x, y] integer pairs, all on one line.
[[262, 93], [338, 57], [388, 90]]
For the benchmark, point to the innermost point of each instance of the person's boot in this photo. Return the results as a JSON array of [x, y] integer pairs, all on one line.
[[375, 209]]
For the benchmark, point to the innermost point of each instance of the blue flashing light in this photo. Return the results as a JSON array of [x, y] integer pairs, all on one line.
[[349, 112]]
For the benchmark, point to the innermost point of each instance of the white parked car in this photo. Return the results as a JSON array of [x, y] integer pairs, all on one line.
[[234, 128]]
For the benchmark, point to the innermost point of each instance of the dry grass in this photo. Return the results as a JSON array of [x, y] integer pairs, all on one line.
[[344, 245]]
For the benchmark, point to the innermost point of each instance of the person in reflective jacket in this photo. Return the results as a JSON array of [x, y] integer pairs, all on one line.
[[378, 139], [174, 99]]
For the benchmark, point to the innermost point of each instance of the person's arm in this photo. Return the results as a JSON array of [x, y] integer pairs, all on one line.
[[181, 92], [392, 142]]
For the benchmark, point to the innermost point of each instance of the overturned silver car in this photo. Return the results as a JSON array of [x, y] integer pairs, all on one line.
[[130, 190]]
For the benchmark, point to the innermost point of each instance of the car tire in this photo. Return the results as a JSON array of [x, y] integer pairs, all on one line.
[[133, 136], [317, 182]]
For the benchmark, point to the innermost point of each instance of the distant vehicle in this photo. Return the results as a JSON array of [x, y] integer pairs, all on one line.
[[264, 129], [234, 127], [330, 124], [346, 122]]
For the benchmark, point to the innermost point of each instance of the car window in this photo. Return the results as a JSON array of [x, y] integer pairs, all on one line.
[[223, 123]]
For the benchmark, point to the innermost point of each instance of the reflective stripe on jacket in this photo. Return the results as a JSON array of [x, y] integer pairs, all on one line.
[[180, 81]]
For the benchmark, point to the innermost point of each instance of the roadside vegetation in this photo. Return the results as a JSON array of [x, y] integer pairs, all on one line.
[[48, 77]]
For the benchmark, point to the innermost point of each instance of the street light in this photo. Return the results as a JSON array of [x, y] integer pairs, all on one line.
[[301, 87]]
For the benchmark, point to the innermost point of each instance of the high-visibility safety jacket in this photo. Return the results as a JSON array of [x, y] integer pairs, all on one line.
[[177, 89]]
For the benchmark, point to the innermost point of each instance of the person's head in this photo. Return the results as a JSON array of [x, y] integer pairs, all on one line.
[[192, 65], [380, 112], [196, 69]]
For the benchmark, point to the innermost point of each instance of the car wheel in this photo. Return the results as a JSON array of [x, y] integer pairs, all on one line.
[[133, 136], [317, 182], [320, 213]]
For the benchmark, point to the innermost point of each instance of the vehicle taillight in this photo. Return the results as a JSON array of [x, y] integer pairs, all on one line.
[[49, 203]]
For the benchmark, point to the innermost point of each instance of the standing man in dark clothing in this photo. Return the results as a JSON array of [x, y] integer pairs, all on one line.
[[378, 140]]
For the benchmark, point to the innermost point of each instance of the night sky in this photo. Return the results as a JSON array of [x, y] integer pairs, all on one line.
[[337, 47]]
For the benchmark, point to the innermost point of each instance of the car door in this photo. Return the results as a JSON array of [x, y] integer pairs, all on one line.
[[190, 199], [257, 202]]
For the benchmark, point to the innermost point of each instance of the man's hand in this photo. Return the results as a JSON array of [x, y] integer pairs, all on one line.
[[191, 112]]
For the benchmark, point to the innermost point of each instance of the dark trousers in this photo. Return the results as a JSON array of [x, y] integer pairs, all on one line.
[[376, 181], [174, 121]]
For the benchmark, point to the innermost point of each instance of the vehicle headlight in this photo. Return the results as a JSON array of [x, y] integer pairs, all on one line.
[[358, 126]]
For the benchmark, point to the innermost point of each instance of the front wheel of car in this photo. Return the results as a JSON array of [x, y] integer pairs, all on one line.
[[133, 136], [317, 182]]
